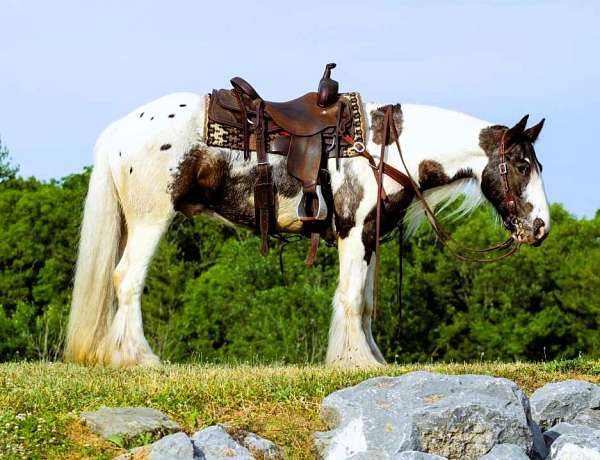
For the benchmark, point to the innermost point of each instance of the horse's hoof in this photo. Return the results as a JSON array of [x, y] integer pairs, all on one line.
[[149, 360]]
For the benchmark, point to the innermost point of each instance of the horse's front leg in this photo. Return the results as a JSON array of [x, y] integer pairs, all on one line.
[[368, 311], [348, 344]]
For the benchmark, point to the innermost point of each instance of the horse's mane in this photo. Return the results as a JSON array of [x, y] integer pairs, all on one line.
[[439, 198]]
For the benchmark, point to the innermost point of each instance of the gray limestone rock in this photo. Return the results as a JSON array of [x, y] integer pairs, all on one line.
[[562, 401], [172, 447], [551, 434], [212, 443], [128, 422], [457, 417], [505, 452], [175, 446], [414, 455], [406, 455], [215, 443], [261, 448], [575, 443], [589, 418]]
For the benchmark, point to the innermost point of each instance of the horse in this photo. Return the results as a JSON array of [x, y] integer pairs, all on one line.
[[155, 162]]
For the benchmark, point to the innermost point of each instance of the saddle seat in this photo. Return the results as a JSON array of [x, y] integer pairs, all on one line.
[[301, 116]]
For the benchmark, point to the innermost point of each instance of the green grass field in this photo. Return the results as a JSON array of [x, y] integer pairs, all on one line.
[[40, 403]]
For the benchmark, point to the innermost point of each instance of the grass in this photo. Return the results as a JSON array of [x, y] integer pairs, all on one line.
[[40, 403]]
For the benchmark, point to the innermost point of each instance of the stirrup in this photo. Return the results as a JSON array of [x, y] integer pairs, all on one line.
[[321, 213]]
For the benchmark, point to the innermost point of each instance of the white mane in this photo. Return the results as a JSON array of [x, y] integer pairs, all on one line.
[[440, 198]]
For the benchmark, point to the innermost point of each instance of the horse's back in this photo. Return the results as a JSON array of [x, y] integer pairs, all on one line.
[[145, 147]]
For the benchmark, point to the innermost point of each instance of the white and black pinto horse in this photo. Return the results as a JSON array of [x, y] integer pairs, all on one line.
[[154, 162]]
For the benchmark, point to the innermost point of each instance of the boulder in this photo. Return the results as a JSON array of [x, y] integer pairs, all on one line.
[[552, 434], [589, 418], [505, 452], [216, 444], [562, 401], [172, 447], [261, 448], [457, 417], [128, 422], [406, 455], [221, 442], [415, 455], [576, 443]]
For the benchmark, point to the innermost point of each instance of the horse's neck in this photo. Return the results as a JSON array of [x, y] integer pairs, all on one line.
[[450, 139]]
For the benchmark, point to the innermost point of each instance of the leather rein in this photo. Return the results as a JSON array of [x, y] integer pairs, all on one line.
[[455, 248]]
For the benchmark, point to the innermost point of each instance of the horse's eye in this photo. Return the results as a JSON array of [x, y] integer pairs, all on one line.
[[523, 168]]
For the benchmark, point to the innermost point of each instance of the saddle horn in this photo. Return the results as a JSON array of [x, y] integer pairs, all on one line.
[[328, 88]]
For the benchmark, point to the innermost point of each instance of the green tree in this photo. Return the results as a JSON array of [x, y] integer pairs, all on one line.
[[7, 171], [210, 296]]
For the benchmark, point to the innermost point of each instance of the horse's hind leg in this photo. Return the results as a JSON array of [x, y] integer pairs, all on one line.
[[348, 344], [368, 311], [125, 344]]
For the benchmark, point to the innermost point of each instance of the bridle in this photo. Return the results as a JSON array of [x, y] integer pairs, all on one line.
[[509, 200], [458, 250]]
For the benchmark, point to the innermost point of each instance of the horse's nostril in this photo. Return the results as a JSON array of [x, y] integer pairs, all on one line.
[[537, 224], [539, 230]]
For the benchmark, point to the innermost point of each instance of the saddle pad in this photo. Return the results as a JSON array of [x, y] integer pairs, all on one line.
[[220, 135]]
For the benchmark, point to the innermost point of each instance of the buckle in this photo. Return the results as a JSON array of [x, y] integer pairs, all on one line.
[[503, 168], [359, 147]]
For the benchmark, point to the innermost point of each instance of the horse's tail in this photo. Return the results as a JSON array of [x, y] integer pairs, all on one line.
[[93, 303]]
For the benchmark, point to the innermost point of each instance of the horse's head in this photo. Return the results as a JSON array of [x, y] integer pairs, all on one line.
[[512, 180]]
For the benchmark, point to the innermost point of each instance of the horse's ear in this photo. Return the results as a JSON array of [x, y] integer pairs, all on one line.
[[516, 132], [532, 133]]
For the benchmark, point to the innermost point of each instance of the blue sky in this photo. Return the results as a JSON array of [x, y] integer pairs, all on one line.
[[69, 68]]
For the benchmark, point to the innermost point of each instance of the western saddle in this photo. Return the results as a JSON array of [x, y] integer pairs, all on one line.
[[308, 130]]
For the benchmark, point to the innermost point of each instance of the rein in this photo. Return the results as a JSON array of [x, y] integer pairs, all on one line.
[[455, 248]]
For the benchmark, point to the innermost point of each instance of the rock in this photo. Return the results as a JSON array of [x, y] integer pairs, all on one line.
[[551, 434], [406, 455], [457, 417], [563, 429], [261, 448], [216, 444], [128, 422], [212, 443], [172, 447], [505, 452], [415, 455], [576, 443], [562, 401], [589, 418], [369, 456]]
